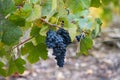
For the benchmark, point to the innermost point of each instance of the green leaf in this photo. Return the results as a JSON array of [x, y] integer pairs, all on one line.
[[35, 14], [1, 31], [106, 2], [74, 5], [97, 30], [40, 39], [46, 7], [16, 66], [2, 71], [35, 1], [35, 31], [11, 33], [27, 7], [26, 49], [98, 20], [17, 20], [19, 63], [85, 23], [77, 5], [85, 3], [72, 30], [44, 30], [2, 52], [54, 5], [85, 45], [11, 36], [19, 2], [35, 52], [95, 3], [43, 50], [61, 10], [7, 6]]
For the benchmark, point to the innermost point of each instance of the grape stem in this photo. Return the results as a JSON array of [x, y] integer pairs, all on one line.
[[52, 25], [20, 44]]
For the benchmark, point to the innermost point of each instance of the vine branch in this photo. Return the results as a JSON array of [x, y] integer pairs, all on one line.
[[22, 43], [43, 20], [52, 25]]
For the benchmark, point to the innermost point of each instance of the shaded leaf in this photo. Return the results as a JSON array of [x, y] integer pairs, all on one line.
[[11, 33], [7, 6], [16, 66], [35, 52], [95, 3]]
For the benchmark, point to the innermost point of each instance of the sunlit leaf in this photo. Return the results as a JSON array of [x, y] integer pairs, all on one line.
[[35, 14]]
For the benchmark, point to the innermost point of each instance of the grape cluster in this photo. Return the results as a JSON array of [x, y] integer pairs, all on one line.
[[58, 41]]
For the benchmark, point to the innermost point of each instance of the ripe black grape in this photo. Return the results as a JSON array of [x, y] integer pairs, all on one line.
[[81, 36], [78, 38]]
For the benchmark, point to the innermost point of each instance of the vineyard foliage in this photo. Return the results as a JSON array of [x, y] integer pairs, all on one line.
[[38, 16]]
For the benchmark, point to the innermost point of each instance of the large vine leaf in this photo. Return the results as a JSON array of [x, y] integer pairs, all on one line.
[[35, 52], [85, 45], [10, 33], [7, 6], [16, 66]]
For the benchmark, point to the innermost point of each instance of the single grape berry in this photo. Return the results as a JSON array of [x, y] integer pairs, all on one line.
[[81, 36], [78, 38]]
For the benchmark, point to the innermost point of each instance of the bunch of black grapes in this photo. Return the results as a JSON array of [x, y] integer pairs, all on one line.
[[58, 41]]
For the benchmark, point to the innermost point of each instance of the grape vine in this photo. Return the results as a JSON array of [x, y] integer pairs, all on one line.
[[29, 27]]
